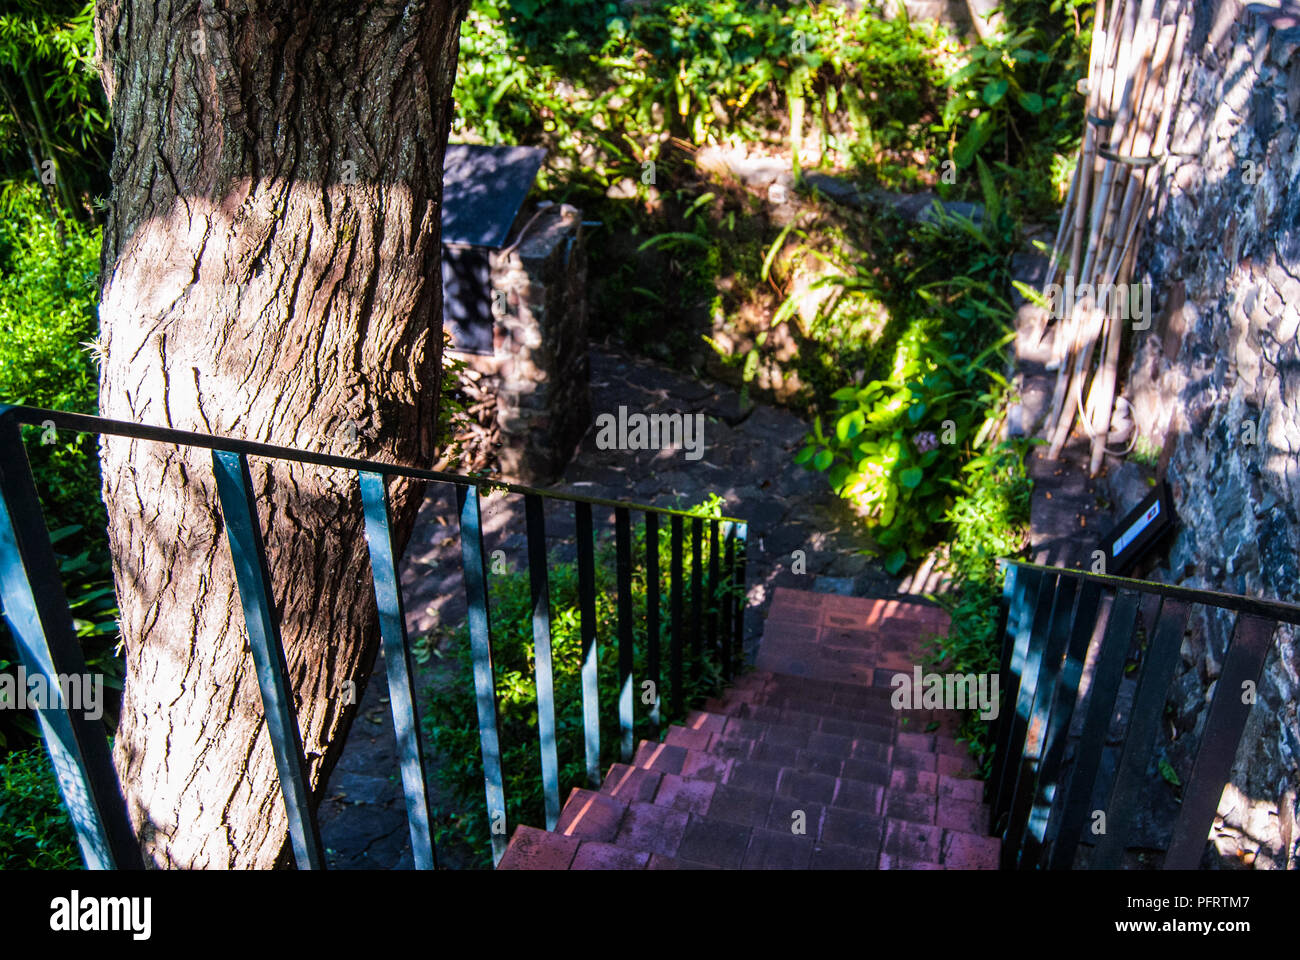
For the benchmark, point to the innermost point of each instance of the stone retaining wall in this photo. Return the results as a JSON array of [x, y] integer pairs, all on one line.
[[1215, 385], [539, 369]]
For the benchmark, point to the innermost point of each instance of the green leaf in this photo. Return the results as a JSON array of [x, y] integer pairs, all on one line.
[[994, 91], [1167, 772], [894, 562], [823, 459], [911, 477], [1032, 102]]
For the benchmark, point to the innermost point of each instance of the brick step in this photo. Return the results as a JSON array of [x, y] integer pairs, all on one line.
[[702, 823], [802, 763], [656, 837], [893, 781]]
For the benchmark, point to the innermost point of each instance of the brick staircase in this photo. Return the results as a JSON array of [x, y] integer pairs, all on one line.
[[801, 764]]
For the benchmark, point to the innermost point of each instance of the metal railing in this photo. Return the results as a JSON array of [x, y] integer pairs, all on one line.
[[1042, 799], [36, 610]]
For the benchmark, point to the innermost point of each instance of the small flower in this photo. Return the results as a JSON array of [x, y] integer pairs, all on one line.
[[925, 441]]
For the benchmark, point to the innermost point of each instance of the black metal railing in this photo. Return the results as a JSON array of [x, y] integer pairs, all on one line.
[[1044, 780], [36, 610]]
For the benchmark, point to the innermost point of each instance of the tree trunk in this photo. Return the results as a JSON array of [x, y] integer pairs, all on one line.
[[271, 272]]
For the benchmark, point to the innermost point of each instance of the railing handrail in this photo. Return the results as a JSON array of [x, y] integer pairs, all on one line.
[[86, 423], [38, 613], [1256, 606], [1059, 624]]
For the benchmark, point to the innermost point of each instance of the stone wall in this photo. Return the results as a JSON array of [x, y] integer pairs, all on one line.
[[539, 369], [1215, 386]]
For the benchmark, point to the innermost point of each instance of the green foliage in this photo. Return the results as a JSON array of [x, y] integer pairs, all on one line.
[[988, 521], [1014, 102], [35, 830], [897, 445], [587, 74], [48, 294], [609, 92], [54, 121], [450, 713]]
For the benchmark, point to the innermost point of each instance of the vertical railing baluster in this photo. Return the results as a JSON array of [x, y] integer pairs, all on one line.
[[738, 617], [541, 596], [1156, 673], [1013, 590], [1027, 658], [697, 599], [728, 602], [623, 546], [1212, 769], [1025, 787], [36, 610], [480, 643], [675, 614], [1088, 625], [1020, 594], [397, 659], [1107, 673], [587, 611], [714, 650], [243, 532], [652, 613]]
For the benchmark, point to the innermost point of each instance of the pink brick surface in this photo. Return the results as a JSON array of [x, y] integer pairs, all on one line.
[[605, 856], [589, 815], [647, 826], [955, 766], [920, 742], [952, 748], [660, 757], [966, 851], [708, 722], [890, 862], [913, 807], [912, 841], [959, 788], [914, 781], [912, 760], [777, 850], [702, 765], [533, 849], [630, 783], [684, 737], [963, 815], [689, 796], [813, 731]]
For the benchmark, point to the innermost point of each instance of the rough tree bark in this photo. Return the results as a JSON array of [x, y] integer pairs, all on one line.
[[270, 272]]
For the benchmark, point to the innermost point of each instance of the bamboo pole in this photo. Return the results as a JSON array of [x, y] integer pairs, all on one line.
[[1173, 38], [1133, 53], [1061, 345]]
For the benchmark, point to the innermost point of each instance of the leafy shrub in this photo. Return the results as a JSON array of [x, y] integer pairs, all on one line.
[[1014, 101], [988, 521], [586, 74], [899, 443], [451, 716], [48, 294], [35, 830]]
